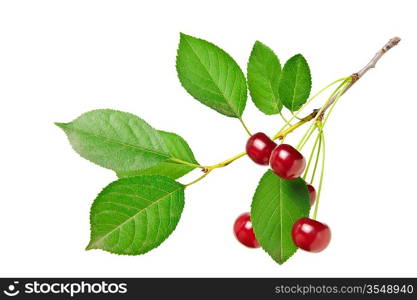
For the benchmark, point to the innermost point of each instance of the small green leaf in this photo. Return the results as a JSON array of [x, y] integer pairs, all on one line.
[[116, 140], [134, 215], [179, 150], [211, 76], [264, 70], [295, 83], [276, 206]]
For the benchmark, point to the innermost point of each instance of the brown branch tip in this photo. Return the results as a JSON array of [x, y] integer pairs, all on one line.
[[391, 43]]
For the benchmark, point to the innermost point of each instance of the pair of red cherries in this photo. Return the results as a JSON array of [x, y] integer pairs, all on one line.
[[289, 164]]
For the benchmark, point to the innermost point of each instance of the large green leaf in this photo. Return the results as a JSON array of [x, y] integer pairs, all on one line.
[[276, 206], [264, 70], [211, 76], [116, 140], [134, 215], [295, 83], [179, 150]]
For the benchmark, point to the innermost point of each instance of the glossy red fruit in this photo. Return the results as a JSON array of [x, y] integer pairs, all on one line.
[[244, 232], [311, 235], [259, 147], [313, 194], [287, 162]]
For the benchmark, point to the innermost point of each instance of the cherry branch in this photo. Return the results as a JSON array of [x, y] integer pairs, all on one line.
[[354, 78], [358, 75], [316, 114]]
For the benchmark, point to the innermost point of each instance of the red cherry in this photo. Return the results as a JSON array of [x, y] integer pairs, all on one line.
[[311, 235], [244, 232], [259, 147], [287, 162], [312, 192]]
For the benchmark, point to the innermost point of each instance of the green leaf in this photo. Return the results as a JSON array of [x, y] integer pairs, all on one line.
[[116, 140], [295, 83], [211, 76], [134, 215], [276, 206], [179, 150], [264, 70]]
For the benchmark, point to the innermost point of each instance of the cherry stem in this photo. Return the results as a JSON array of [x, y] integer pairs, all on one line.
[[319, 114], [295, 116], [208, 169], [309, 132], [287, 123], [198, 179], [313, 174], [308, 117], [244, 126], [311, 156], [323, 158]]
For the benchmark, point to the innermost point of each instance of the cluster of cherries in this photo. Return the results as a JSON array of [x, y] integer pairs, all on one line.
[[289, 164]]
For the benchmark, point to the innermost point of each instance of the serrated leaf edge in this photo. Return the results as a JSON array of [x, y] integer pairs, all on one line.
[[65, 126], [277, 106], [236, 114], [91, 246], [309, 73], [281, 261]]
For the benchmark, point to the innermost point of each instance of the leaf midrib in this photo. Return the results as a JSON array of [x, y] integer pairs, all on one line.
[[295, 85], [269, 80], [132, 217], [212, 79], [264, 74], [275, 99], [118, 142]]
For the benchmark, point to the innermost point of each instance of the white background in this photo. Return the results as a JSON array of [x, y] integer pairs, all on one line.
[[59, 59]]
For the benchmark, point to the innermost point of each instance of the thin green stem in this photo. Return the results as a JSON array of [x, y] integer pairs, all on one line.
[[227, 161], [244, 126], [334, 103], [287, 123], [198, 179], [285, 131], [322, 109], [308, 102], [173, 159], [281, 134], [310, 158], [301, 145], [295, 116], [319, 93], [316, 208], [281, 130], [317, 157]]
